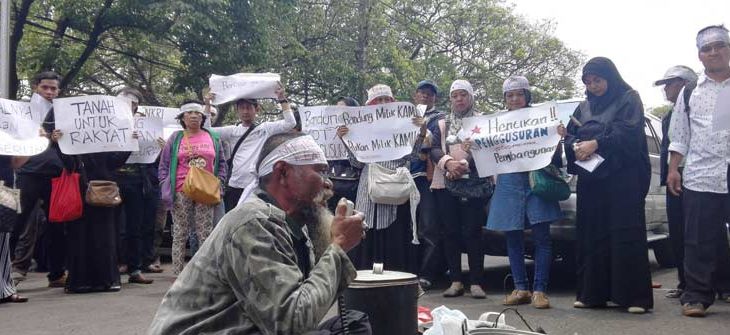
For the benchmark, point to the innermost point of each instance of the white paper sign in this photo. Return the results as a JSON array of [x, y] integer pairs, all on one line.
[[516, 141], [380, 133], [20, 129], [721, 118], [169, 123], [95, 123], [321, 123], [149, 129], [591, 163], [243, 85], [40, 106]]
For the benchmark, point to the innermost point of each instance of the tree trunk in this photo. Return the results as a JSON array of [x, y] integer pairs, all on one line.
[[21, 16], [363, 40]]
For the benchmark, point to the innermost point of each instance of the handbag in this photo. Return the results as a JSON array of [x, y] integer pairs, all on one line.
[[66, 204], [103, 193], [389, 187], [548, 184], [200, 185], [9, 207]]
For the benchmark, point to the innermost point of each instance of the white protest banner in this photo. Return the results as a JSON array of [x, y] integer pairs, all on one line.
[[40, 106], [169, 123], [95, 123], [515, 141], [243, 85], [381, 132], [149, 129], [321, 123], [20, 129]]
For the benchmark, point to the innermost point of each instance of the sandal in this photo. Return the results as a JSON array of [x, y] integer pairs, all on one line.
[[14, 299]]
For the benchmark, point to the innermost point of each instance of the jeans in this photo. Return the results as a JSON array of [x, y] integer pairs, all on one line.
[[543, 256]]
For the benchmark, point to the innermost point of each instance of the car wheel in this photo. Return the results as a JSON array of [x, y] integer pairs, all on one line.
[[663, 253]]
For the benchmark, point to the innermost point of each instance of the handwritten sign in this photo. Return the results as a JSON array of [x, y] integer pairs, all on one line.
[[149, 129], [377, 133], [19, 129], [321, 123], [243, 86], [95, 123], [515, 141]]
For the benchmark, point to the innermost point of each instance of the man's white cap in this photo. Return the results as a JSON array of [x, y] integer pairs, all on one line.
[[461, 84], [515, 83], [712, 34], [377, 91], [677, 71]]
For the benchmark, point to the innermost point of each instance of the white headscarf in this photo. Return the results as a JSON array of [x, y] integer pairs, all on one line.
[[302, 150]]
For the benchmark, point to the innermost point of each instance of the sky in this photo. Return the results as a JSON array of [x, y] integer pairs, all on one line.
[[642, 37]]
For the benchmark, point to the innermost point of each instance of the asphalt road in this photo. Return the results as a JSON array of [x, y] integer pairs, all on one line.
[[130, 311]]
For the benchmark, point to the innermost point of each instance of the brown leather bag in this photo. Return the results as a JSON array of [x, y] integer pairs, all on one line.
[[103, 193]]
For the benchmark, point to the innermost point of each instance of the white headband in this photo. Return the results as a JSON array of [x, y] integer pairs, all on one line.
[[191, 107], [302, 150], [712, 35]]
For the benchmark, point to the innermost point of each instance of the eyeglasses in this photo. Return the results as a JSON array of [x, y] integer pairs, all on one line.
[[715, 46]]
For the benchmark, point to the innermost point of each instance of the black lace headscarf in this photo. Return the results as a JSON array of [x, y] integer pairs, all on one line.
[[604, 68]]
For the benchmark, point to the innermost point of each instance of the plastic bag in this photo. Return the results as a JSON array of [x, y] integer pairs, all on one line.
[[66, 204], [447, 322]]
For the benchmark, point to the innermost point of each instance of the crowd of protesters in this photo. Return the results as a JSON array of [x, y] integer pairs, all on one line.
[[91, 253]]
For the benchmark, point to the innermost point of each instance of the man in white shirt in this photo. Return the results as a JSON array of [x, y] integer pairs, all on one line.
[[705, 184], [246, 139]]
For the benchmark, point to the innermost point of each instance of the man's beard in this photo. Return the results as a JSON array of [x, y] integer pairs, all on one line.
[[317, 218]]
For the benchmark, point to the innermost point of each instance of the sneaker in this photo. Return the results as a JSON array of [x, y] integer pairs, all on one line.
[[636, 310], [580, 304], [540, 300], [518, 297], [674, 293], [477, 292], [60, 282], [695, 310], [455, 290]]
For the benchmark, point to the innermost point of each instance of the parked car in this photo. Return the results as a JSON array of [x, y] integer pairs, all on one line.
[[563, 233]]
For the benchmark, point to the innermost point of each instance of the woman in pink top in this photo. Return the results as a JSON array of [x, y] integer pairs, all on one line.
[[194, 146]]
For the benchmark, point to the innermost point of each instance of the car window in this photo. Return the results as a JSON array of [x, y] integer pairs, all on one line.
[[652, 141]]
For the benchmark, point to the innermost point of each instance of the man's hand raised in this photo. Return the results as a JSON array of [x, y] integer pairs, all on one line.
[[347, 231]]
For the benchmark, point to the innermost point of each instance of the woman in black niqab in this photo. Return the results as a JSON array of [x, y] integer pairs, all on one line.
[[610, 218]]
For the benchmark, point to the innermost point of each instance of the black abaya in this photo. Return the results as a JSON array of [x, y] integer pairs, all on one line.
[[92, 252]]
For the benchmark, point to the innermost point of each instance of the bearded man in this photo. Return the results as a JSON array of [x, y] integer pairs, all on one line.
[[257, 272]]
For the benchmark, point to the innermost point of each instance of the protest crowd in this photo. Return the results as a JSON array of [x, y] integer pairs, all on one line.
[[262, 207]]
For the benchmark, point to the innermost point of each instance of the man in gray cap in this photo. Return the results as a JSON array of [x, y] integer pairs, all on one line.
[[675, 79], [705, 185]]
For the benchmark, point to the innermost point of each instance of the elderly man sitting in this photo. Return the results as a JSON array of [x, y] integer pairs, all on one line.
[[257, 273]]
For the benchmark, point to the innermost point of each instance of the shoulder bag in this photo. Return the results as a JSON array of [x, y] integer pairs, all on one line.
[[66, 204], [200, 185], [103, 193], [548, 184], [9, 207], [389, 187]]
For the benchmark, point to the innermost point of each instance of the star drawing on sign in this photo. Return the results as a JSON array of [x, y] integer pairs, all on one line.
[[476, 130]]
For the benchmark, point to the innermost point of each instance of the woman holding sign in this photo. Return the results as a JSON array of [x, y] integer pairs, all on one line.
[[390, 239], [193, 148], [515, 208], [464, 196], [607, 149]]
